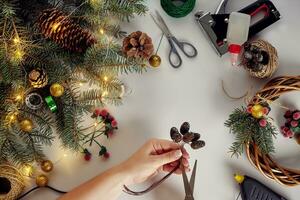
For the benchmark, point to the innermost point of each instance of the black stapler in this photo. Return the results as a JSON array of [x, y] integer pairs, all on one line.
[[215, 25]]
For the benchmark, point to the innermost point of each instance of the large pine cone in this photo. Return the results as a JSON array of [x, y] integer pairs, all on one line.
[[138, 45], [63, 31]]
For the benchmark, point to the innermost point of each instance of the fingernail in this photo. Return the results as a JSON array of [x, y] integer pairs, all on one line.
[[178, 153]]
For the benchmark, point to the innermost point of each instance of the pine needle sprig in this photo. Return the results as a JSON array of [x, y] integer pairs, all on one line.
[[247, 129]]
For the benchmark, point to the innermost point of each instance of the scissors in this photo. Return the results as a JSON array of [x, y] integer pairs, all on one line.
[[172, 39], [189, 185]]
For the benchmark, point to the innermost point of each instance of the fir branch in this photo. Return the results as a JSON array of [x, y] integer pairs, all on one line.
[[247, 129]]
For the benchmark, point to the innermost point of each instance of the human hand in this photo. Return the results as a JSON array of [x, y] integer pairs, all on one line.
[[153, 157]]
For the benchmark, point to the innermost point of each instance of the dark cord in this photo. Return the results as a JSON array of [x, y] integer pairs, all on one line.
[[238, 196], [151, 187], [35, 188]]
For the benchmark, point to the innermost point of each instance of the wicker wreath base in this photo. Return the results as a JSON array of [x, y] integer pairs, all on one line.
[[264, 163], [15, 179]]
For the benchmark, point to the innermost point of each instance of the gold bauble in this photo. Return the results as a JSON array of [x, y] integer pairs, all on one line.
[[47, 166], [26, 125], [155, 60], [257, 111], [41, 180], [57, 90]]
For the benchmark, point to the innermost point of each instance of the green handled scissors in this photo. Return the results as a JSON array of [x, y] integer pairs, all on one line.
[[172, 41], [189, 185]]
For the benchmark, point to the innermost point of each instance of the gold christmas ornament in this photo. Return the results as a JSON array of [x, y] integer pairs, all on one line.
[[38, 78], [155, 60], [47, 166], [57, 90], [41, 180], [257, 111], [26, 125], [11, 182]]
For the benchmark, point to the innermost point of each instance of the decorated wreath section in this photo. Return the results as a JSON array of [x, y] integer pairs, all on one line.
[[254, 130]]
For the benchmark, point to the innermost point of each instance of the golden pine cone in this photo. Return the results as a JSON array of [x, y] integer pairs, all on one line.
[[63, 31], [138, 45]]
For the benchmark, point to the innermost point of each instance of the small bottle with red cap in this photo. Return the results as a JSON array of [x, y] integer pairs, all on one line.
[[237, 34]]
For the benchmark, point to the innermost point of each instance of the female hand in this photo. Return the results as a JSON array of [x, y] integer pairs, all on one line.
[[154, 156]]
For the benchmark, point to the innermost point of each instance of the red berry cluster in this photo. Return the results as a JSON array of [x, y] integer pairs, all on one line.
[[110, 122], [292, 124]]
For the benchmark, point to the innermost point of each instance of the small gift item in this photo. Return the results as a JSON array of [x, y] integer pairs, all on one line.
[[260, 59], [291, 127]]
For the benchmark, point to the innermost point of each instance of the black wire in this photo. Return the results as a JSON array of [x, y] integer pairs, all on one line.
[[238, 196], [35, 188]]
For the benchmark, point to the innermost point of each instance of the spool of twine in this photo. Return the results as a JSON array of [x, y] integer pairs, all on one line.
[[268, 69], [13, 179]]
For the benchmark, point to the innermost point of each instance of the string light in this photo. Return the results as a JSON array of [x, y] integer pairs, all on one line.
[[105, 93], [55, 26], [27, 170], [17, 40], [101, 30], [80, 84], [19, 54], [105, 78], [95, 124]]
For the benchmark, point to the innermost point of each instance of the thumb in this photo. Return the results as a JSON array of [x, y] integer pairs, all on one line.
[[168, 157]]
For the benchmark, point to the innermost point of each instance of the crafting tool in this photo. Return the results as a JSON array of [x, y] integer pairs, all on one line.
[[252, 189], [189, 185], [215, 25], [187, 48]]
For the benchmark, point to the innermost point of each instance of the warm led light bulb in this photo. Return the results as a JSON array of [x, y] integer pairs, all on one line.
[[16, 40]]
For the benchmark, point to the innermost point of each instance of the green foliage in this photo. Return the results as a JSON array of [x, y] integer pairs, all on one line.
[[247, 129], [104, 59]]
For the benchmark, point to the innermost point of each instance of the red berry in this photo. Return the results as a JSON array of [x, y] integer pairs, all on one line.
[[97, 111], [103, 113], [294, 123], [263, 122], [114, 123], [249, 109], [284, 129], [288, 114], [110, 118], [266, 110], [296, 115], [290, 133], [87, 157], [110, 133], [106, 155]]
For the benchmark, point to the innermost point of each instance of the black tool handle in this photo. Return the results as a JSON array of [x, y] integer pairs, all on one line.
[[271, 15], [252, 189]]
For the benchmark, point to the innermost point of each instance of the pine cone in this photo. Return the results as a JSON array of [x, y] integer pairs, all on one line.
[[38, 78], [63, 31], [138, 45]]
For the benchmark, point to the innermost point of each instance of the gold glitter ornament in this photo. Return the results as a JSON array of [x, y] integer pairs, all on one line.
[[41, 180], [47, 166], [26, 125], [155, 60], [56, 90]]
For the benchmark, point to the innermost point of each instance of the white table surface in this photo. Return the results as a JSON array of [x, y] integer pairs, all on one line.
[[165, 97]]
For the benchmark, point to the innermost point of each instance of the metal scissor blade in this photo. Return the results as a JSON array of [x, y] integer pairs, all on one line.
[[193, 176], [162, 21], [187, 187], [158, 24]]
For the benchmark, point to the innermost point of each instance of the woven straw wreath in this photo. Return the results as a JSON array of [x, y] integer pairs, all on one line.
[[264, 162]]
